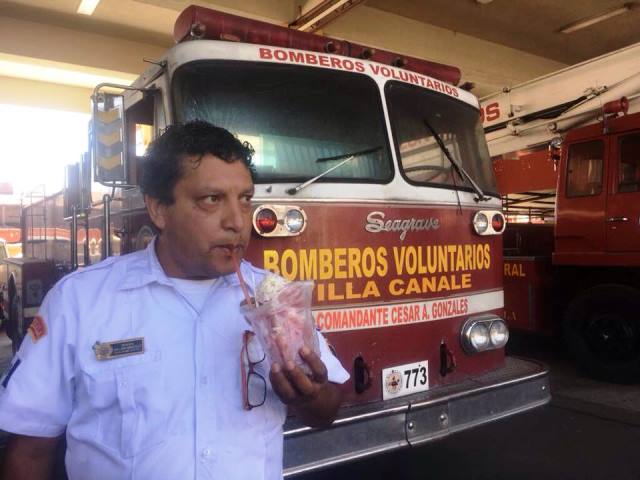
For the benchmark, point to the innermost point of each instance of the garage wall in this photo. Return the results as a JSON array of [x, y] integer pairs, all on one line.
[[30, 93]]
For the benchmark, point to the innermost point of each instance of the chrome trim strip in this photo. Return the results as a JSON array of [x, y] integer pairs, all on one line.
[[480, 389], [412, 406], [355, 418], [520, 394], [484, 421]]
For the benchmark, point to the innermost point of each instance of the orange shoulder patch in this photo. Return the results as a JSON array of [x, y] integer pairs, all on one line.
[[37, 329]]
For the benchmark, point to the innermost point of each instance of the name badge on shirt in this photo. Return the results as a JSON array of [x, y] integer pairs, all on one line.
[[119, 348]]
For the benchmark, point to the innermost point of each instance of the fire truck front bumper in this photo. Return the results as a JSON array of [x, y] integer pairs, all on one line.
[[371, 429]]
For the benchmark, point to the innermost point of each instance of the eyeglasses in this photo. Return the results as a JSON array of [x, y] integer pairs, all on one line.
[[254, 386]]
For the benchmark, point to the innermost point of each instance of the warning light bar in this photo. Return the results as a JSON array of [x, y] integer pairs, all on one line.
[[203, 23]]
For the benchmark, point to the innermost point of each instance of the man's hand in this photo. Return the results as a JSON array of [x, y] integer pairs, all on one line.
[[312, 398]]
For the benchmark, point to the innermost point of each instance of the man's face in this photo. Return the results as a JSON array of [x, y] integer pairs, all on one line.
[[209, 221]]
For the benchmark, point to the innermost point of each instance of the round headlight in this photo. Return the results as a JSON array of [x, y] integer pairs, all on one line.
[[479, 337], [294, 221], [499, 333], [480, 223]]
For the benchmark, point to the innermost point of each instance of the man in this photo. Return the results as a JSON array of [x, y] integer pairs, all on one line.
[[138, 358]]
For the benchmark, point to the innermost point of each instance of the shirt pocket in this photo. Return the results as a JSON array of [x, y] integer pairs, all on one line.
[[129, 397]]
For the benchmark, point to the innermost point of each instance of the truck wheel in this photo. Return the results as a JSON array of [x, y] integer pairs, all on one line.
[[602, 330]]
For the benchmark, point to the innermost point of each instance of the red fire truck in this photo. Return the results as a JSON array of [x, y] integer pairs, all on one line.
[[566, 151], [372, 178]]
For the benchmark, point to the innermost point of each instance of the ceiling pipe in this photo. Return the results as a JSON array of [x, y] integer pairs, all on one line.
[[323, 14]]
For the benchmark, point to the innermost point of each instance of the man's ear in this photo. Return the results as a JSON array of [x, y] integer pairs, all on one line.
[[157, 211]]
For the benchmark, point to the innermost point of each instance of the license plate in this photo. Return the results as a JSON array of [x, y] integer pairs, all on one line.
[[405, 379]]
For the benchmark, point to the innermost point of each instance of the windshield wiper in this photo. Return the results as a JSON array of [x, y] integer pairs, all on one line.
[[347, 158], [461, 171]]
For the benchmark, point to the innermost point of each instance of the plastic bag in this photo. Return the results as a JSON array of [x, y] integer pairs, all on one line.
[[285, 324]]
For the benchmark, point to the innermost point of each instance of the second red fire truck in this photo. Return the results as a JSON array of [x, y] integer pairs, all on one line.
[[566, 150]]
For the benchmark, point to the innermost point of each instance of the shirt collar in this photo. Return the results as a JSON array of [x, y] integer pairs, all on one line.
[[146, 269]]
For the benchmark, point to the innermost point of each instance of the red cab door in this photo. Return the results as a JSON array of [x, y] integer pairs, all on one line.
[[623, 201], [581, 200]]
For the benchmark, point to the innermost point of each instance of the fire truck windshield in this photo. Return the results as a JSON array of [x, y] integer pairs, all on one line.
[[292, 116], [423, 161]]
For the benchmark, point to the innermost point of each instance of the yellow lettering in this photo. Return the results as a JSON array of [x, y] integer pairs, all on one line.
[[412, 286], [487, 256], [466, 280], [443, 283], [326, 267], [396, 287], [340, 263], [432, 259], [354, 263], [479, 256], [368, 262], [411, 260], [370, 290], [332, 295], [271, 261], [398, 258], [428, 284], [383, 265], [289, 264], [308, 264], [451, 250], [459, 258], [468, 258], [350, 294], [442, 259]]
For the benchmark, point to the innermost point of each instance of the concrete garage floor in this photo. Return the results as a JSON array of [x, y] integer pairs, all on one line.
[[571, 389]]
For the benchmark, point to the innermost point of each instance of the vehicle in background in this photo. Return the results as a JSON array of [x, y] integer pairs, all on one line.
[[566, 152], [372, 178], [3, 256]]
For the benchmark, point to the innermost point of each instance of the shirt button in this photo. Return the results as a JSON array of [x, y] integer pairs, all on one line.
[[206, 453]]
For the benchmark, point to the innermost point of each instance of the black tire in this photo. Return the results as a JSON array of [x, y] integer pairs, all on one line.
[[602, 330]]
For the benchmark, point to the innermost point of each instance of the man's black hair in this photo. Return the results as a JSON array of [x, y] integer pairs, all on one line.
[[166, 157]]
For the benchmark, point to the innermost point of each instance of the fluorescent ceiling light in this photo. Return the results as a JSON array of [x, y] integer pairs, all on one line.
[[587, 22], [87, 7]]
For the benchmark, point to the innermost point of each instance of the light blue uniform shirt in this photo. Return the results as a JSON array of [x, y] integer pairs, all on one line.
[[175, 411]]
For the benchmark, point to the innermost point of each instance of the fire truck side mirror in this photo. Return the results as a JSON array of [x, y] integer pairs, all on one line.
[[108, 138], [555, 148]]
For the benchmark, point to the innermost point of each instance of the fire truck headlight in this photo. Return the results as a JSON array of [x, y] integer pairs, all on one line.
[[499, 333], [479, 337], [480, 223], [483, 332], [294, 221]]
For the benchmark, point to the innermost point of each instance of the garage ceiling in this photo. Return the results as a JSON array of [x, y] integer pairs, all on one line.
[[530, 28]]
